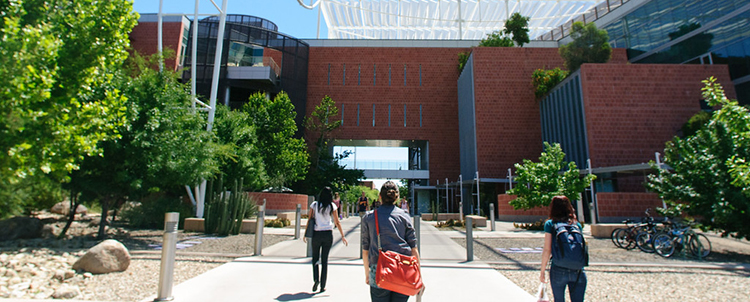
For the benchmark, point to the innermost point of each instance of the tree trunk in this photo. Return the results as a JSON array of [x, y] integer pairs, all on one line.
[[103, 223], [71, 214]]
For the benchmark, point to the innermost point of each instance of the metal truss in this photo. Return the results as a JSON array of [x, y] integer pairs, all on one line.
[[441, 19]]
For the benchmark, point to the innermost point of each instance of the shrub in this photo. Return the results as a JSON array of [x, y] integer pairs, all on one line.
[[150, 212], [463, 57], [590, 45], [544, 80], [277, 223], [495, 39], [452, 223], [534, 226]]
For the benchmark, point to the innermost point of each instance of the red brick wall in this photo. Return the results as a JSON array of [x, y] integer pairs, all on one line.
[[438, 95], [280, 202], [614, 207], [633, 109], [505, 211], [507, 114], [144, 40]]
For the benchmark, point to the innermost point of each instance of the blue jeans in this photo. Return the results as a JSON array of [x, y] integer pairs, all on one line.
[[575, 280], [384, 295]]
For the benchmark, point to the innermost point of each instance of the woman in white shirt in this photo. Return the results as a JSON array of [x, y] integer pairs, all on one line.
[[326, 215]]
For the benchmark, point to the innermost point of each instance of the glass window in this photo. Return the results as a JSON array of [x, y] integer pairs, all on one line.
[[737, 61]]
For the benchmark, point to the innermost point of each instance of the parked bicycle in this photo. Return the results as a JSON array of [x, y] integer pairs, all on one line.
[[644, 239], [626, 237], [681, 238]]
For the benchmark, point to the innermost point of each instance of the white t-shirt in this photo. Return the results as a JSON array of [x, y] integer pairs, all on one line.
[[323, 221]]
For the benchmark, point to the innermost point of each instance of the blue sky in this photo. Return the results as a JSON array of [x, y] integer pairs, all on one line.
[[291, 18]]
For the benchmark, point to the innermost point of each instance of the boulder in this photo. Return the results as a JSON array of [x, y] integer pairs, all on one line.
[[106, 257], [63, 208], [66, 292], [20, 228]]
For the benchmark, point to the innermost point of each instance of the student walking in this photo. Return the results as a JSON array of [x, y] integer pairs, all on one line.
[[396, 234], [326, 215], [362, 205], [337, 202], [564, 242]]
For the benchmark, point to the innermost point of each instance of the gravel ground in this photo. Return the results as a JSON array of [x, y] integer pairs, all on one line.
[[138, 282], [624, 283]]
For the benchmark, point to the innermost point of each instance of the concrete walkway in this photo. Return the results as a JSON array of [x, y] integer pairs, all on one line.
[[284, 273]]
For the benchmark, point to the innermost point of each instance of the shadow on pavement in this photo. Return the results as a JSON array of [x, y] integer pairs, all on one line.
[[295, 297]]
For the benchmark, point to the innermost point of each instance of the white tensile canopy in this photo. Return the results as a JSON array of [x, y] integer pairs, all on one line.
[[441, 19]]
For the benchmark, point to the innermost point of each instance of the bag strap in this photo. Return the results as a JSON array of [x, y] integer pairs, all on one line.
[[377, 229]]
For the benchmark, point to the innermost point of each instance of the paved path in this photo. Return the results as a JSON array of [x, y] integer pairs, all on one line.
[[284, 273]]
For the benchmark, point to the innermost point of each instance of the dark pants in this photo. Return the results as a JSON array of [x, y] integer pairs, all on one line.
[[384, 295], [321, 245], [575, 280]]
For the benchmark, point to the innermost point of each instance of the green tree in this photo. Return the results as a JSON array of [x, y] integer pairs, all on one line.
[[243, 160], [544, 80], [56, 69], [325, 168], [517, 26], [162, 146], [708, 176], [496, 39], [539, 181], [590, 45], [695, 123], [284, 156]]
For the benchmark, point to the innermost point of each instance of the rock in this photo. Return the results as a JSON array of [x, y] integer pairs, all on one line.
[[20, 227], [4, 292], [50, 231], [60, 275], [66, 292], [63, 208], [69, 274], [88, 275], [106, 257]]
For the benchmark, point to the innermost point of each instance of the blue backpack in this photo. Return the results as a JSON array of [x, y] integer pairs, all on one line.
[[569, 248]]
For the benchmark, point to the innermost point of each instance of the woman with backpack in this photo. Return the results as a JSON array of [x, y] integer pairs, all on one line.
[[565, 245]]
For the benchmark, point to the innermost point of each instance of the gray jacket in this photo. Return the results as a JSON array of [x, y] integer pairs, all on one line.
[[396, 232]]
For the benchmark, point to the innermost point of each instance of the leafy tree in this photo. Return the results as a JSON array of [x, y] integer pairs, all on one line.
[[539, 181], [590, 45], [162, 146], [695, 123], [709, 175], [544, 80], [496, 39], [243, 160], [463, 57], [56, 71], [325, 168], [517, 26], [284, 157]]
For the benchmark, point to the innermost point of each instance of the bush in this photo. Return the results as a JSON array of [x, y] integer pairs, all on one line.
[[277, 223], [452, 223], [544, 80], [534, 226], [150, 213], [463, 57]]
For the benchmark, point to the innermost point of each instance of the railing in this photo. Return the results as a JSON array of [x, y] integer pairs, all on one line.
[[590, 15], [376, 164], [256, 61]]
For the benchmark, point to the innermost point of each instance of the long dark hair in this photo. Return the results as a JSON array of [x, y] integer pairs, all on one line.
[[325, 199], [561, 209], [389, 193]]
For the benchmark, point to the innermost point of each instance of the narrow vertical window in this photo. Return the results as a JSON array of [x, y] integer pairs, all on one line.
[[389, 74], [420, 115], [357, 115], [373, 115], [344, 81], [374, 74], [342, 114], [420, 74], [389, 115], [404, 115], [329, 74], [359, 75], [404, 74]]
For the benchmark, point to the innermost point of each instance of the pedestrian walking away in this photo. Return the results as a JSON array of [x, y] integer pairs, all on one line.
[[396, 234], [362, 204], [326, 216], [565, 245]]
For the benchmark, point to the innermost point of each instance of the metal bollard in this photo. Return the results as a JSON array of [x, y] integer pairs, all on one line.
[[417, 228], [297, 221], [169, 245], [469, 239], [260, 222], [492, 217]]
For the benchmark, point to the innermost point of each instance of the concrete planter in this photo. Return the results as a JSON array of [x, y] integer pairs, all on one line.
[[196, 225]]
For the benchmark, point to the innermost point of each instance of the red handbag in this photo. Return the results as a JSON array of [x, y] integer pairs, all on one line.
[[397, 272]]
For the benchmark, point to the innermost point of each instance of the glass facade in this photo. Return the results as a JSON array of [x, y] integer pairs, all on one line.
[[689, 32]]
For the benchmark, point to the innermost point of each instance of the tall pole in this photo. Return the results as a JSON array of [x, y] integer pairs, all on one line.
[[159, 47], [460, 30], [594, 209], [510, 178], [217, 64], [194, 54], [461, 204], [478, 195], [446, 195]]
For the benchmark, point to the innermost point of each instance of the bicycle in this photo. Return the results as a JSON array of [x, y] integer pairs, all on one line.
[[681, 236], [644, 239], [626, 237]]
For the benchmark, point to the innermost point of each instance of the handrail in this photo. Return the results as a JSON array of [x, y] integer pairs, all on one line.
[[591, 15]]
